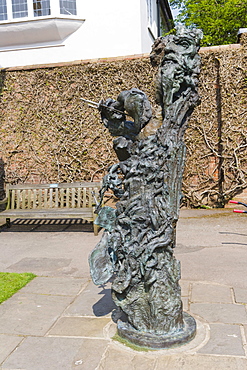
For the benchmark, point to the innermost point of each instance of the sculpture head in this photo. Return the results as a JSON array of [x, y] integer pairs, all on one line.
[[182, 47], [185, 40], [179, 64]]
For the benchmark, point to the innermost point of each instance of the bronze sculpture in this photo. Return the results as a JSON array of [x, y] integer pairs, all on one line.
[[137, 245]]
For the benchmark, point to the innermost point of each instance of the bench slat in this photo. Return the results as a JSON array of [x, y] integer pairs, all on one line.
[[34, 198], [23, 198], [78, 197], [84, 213], [59, 186], [50, 198], [56, 198], [90, 197], [62, 198], [40, 198], [12, 205], [45, 198], [73, 198], [67, 197], [84, 203], [18, 200], [28, 198]]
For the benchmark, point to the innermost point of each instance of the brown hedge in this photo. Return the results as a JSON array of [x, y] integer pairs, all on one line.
[[48, 135]]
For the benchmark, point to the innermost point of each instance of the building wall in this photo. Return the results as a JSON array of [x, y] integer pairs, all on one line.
[[111, 28]]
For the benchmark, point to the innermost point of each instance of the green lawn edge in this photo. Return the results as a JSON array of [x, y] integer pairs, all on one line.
[[11, 282]]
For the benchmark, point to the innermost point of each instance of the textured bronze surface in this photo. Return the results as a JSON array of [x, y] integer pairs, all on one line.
[[153, 341], [137, 246]]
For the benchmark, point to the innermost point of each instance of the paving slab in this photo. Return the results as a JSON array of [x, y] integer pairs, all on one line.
[[31, 314], [62, 285], [56, 354], [70, 249], [58, 309], [89, 354], [200, 362], [224, 340], [92, 301], [203, 292], [220, 264], [115, 358], [7, 345], [185, 288], [240, 295], [40, 265], [224, 313], [80, 327], [209, 228], [211, 246]]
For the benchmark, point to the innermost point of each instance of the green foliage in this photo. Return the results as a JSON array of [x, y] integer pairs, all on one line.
[[10, 283], [219, 20]]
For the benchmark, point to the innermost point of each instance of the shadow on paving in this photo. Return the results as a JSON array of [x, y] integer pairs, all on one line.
[[105, 304], [233, 242], [230, 233], [48, 225]]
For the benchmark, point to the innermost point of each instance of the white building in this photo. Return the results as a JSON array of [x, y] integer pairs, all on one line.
[[51, 31]]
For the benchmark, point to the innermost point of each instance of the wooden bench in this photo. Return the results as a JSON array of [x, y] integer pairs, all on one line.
[[51, 201]]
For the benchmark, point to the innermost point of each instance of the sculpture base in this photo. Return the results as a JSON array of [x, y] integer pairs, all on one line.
[[153, 341]]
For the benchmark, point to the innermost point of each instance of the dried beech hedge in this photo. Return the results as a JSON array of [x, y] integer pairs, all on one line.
[[216, 168], [48, 135]]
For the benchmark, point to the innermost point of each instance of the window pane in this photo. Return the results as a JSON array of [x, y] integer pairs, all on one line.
[[41, 7], [164, 25], [19, 8], [150, 11], [3, 10], [68, 7]]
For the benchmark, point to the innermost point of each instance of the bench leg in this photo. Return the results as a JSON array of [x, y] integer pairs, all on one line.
[[95, 229], [8, 223]]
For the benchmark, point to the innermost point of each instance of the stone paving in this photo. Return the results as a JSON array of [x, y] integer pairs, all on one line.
[[61, 320]]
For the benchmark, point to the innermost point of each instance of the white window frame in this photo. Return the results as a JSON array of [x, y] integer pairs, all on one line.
[[150, 12], [55, 11], [152, 18]]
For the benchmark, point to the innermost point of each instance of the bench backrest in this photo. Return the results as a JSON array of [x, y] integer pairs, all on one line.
[[64, 195]]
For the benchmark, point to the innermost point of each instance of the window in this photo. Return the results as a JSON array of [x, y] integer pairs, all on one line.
[[28, 24], [3, 10], [14, 9], [150, 11], [41, 7], [164, 25], [68, 7], [165, 19], [19, 8]]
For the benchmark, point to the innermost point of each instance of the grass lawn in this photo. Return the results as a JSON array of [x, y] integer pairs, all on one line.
[[10, 283]]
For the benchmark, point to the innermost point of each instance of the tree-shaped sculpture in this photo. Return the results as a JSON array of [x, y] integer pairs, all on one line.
[[136, 248]]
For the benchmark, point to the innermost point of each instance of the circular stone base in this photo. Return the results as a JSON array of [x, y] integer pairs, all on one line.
[[143, 339]]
